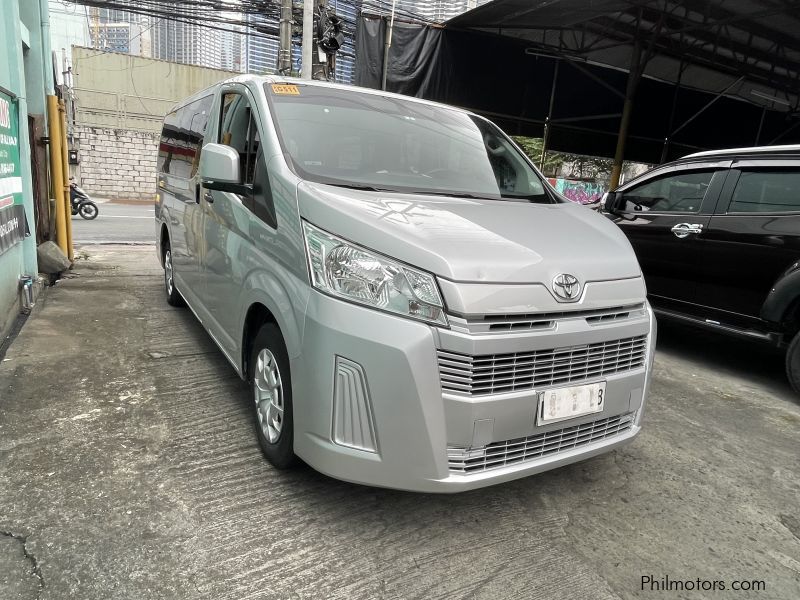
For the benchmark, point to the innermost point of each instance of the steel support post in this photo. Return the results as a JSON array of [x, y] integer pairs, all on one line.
[[665, 149], [634, 75], [761, 124], [62, 113], [386, 46], [57, 171], [547, 121]]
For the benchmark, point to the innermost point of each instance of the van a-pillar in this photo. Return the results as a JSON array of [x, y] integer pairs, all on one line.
[[634, 75]]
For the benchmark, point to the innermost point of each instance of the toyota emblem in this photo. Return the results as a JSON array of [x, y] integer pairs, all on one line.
[[566, 286]]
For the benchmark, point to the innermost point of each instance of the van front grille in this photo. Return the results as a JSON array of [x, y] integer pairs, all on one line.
[[502, 373], [500, 454], [500, 323]]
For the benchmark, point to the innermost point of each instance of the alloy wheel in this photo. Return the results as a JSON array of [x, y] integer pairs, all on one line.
[[268, 391], [168, 271]]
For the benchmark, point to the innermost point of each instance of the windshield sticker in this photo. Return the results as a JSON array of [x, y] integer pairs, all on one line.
[[287, 89]]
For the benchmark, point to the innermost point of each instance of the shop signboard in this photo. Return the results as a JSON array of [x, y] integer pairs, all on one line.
[[13, 226]]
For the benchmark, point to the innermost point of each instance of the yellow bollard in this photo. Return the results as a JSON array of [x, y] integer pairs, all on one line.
[[57, 171], [65, 168]]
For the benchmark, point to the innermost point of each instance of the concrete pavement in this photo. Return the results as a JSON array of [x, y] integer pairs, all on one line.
[[129, 469]]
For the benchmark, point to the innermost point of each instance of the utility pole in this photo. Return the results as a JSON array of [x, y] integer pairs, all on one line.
[[386, 48], [308, 39], [320, 59], [285, 39]]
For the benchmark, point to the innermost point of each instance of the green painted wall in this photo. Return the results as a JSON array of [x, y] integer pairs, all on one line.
[[19, 66]]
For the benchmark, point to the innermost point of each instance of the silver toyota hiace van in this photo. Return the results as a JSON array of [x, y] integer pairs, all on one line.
[[411, 302]]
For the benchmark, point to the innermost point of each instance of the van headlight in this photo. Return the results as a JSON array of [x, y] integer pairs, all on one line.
[[342, 269]]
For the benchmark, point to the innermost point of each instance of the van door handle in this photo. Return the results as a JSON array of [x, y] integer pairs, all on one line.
[[682, 230], [209, 197]]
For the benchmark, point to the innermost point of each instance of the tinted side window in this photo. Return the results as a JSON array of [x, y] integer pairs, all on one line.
[[238, 130], [677, 192], [767, 192], [168, 145], [182, 138], [195, 119]]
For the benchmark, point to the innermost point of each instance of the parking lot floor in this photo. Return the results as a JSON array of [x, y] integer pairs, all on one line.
[[129, 469]]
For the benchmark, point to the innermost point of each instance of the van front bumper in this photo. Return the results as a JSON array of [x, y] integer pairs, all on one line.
[[369, 406]]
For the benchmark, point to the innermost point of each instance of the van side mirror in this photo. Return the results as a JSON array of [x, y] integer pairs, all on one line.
[[611, 201], [614, 204], [219, 169]]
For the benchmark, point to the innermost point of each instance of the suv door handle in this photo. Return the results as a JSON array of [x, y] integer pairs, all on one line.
[[682, 230]]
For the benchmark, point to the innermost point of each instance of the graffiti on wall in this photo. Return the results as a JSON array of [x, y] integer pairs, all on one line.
[[582, 192]]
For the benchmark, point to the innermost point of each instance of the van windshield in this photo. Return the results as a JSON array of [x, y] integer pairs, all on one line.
[[360, 140]]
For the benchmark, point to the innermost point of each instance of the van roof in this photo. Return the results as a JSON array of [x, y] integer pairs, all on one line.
[[315, 83]]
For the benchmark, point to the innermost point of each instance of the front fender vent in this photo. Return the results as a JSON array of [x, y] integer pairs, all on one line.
[[353, 425]]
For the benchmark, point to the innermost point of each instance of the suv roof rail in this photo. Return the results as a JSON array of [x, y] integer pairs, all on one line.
[[788, 149]]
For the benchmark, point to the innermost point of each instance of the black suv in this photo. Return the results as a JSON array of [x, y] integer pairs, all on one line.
[[718, 237]]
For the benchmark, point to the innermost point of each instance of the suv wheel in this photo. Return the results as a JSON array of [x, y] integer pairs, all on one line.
[[271, 387], [174, 297], [793, 363]]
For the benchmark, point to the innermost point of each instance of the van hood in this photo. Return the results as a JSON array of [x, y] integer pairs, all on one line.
[[477, 241]]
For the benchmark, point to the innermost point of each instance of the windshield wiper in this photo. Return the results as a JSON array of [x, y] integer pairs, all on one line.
[[359, 186], [455, 195], [537, 198]]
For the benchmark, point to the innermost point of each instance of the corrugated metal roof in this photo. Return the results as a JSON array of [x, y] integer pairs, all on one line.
[[750, 48]]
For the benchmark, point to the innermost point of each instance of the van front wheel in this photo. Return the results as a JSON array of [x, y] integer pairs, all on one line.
[[271, 388]]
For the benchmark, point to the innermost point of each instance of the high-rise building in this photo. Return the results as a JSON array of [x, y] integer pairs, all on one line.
[[118, 30], [230, 45], [260, 45], [117, 37], [260, 49], [69, 26], [194, 44], [437, 11]]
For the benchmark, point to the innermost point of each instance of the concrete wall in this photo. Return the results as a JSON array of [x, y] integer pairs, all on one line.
[[117, 163], [121, 91], [120, 102]]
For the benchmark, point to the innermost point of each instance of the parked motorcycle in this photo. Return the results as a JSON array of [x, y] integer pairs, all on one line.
[[81, 203]]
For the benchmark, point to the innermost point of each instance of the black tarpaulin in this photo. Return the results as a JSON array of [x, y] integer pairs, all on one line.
[[414, 56]]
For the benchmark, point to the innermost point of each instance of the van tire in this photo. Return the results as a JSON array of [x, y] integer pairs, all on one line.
[[271, 397], [174, 297], [793, 363]]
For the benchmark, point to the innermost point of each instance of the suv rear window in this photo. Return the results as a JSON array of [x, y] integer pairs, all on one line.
[[766, 192]]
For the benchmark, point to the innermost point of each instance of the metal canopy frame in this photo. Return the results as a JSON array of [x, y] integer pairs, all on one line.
[[746, 49]]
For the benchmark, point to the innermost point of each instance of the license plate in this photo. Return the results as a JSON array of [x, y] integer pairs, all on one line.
[[570, 402]]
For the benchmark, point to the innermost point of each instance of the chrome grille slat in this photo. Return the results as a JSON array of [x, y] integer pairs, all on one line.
[[501, 373], [524, 322], [500, 454]]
